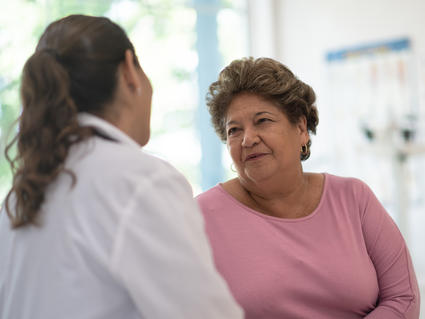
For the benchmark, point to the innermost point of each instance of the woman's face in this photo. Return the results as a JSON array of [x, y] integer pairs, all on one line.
[[261, 140]]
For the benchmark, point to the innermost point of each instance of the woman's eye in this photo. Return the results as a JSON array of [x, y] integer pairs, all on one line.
[[231, 131], [263, 119]]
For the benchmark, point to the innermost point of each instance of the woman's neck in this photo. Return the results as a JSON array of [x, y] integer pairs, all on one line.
[[285, 185], [294, 197]]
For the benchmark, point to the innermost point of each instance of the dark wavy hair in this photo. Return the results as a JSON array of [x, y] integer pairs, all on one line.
[[269, 79], [73, 69]]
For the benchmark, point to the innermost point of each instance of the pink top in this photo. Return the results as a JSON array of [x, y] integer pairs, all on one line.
[[347, 259]]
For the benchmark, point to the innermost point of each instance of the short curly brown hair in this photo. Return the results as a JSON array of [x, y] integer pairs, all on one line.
[[269, 79]]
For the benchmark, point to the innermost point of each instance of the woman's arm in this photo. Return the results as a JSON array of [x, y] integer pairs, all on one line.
[[398, 287]]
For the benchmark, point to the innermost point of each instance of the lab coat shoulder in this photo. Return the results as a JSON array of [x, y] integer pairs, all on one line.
[[115, 184], [117, 171], [102, 160], [159, 252]]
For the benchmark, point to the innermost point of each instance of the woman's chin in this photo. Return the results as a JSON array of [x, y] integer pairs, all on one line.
[[258, 174]]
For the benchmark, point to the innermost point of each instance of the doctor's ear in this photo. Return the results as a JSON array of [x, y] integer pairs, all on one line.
[[130, 71]]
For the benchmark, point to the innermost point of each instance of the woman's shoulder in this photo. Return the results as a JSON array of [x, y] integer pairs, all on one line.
[[121, 168], [221, 199], [344, 181], [211, 195], [347, 186], [113, 158]]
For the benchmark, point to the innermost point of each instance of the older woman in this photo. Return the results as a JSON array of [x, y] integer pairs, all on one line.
[[293, 244]]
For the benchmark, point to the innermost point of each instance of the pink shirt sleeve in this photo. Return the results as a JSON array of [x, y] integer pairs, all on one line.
[[398, 288]]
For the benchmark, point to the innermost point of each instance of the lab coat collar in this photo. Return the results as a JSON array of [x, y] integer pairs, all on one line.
[[106, 128]]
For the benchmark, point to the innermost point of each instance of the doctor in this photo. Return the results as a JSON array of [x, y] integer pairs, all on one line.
[[93, 227]]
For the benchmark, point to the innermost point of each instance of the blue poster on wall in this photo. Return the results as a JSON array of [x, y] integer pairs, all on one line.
[[371, 49]]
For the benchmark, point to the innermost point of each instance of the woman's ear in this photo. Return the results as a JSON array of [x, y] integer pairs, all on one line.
[[302, 124], [130, 73], [302, 128]]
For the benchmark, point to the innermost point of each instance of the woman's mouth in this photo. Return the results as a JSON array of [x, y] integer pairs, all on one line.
[[254, 156]]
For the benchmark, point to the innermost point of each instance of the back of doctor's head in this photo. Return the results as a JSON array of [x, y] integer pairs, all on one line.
[[73, 69]]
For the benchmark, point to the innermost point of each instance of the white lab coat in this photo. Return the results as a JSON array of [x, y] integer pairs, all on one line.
[[127, 241]]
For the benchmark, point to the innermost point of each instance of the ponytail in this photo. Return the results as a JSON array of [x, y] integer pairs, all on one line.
[[74, 69], [47, 128]]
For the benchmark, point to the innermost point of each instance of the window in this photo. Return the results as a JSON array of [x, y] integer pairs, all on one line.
[[164, 34]]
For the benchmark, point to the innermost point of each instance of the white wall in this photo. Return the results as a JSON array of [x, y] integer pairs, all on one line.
[[312, 27]]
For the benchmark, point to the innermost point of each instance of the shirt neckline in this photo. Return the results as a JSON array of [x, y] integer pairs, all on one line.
[[280, 219], [106, 128]]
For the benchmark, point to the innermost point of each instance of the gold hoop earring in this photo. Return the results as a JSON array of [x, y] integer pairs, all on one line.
[[304, 149], [232, 168]]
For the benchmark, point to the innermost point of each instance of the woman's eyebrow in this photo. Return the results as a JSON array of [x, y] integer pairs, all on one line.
[[263, 112], [231, 122], [255, 115]]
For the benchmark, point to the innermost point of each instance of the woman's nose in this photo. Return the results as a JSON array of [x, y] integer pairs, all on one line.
[[250, 137]]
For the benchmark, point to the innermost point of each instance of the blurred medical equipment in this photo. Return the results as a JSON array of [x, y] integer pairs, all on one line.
[[376, 94]]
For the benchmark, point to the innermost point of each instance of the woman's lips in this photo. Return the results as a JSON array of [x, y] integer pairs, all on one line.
[[255, 156]]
